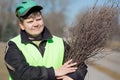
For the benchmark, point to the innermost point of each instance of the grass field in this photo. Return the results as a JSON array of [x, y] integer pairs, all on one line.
[[3, 70]]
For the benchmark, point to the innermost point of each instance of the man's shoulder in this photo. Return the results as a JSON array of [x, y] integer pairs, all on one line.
[[15, 38]]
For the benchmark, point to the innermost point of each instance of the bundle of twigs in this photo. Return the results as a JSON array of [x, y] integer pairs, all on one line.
[[89, 36]]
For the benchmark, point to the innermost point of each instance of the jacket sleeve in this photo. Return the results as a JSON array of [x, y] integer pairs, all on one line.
[[19, 69], [80, 72]]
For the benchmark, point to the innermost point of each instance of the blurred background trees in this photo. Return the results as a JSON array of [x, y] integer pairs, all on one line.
[[8, 25], [54, 16], [55, 19]]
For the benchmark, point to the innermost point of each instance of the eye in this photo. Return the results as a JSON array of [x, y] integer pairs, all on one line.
[[30, 21], [38, 19]]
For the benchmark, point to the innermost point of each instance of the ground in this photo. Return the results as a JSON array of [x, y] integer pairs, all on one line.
[[106, 68]]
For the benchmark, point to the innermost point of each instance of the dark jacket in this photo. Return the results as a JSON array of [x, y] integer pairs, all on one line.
[[19, 69]]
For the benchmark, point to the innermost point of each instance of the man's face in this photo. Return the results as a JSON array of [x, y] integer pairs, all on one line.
[[33, 25]]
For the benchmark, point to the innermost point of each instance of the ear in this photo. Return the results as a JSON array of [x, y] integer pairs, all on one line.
[[21, 26]]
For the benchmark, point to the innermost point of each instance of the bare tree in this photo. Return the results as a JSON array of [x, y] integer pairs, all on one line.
[[89, 36]]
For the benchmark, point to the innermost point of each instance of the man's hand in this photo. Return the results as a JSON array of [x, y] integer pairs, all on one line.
[[66, 68]]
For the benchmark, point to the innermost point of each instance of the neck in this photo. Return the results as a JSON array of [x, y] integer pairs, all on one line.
[[36, 38]]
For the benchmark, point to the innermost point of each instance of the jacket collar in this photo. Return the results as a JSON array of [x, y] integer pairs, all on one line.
[[45, 35]]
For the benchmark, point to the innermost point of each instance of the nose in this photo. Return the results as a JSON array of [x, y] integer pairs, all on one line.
[[35, 23]]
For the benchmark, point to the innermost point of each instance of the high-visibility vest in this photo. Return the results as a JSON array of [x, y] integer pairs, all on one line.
[[53, 55]]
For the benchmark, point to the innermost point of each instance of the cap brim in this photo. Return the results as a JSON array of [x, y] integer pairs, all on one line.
[[34, 8]]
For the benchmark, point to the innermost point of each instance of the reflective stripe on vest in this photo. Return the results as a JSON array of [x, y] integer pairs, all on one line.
[[53, 55]]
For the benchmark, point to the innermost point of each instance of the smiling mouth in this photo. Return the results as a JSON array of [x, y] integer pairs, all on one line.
[[36, 28]]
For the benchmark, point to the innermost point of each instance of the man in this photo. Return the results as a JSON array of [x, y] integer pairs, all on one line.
[[36, 54]]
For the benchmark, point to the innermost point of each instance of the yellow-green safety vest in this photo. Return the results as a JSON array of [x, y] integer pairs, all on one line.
[[53, 55]]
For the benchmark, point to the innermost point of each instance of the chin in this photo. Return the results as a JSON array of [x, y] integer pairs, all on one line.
[[37, 34]]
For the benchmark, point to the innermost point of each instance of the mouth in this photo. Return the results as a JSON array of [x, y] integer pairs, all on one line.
[[36, 28]]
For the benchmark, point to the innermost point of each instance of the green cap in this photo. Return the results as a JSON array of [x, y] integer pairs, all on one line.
[[23, 8]]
